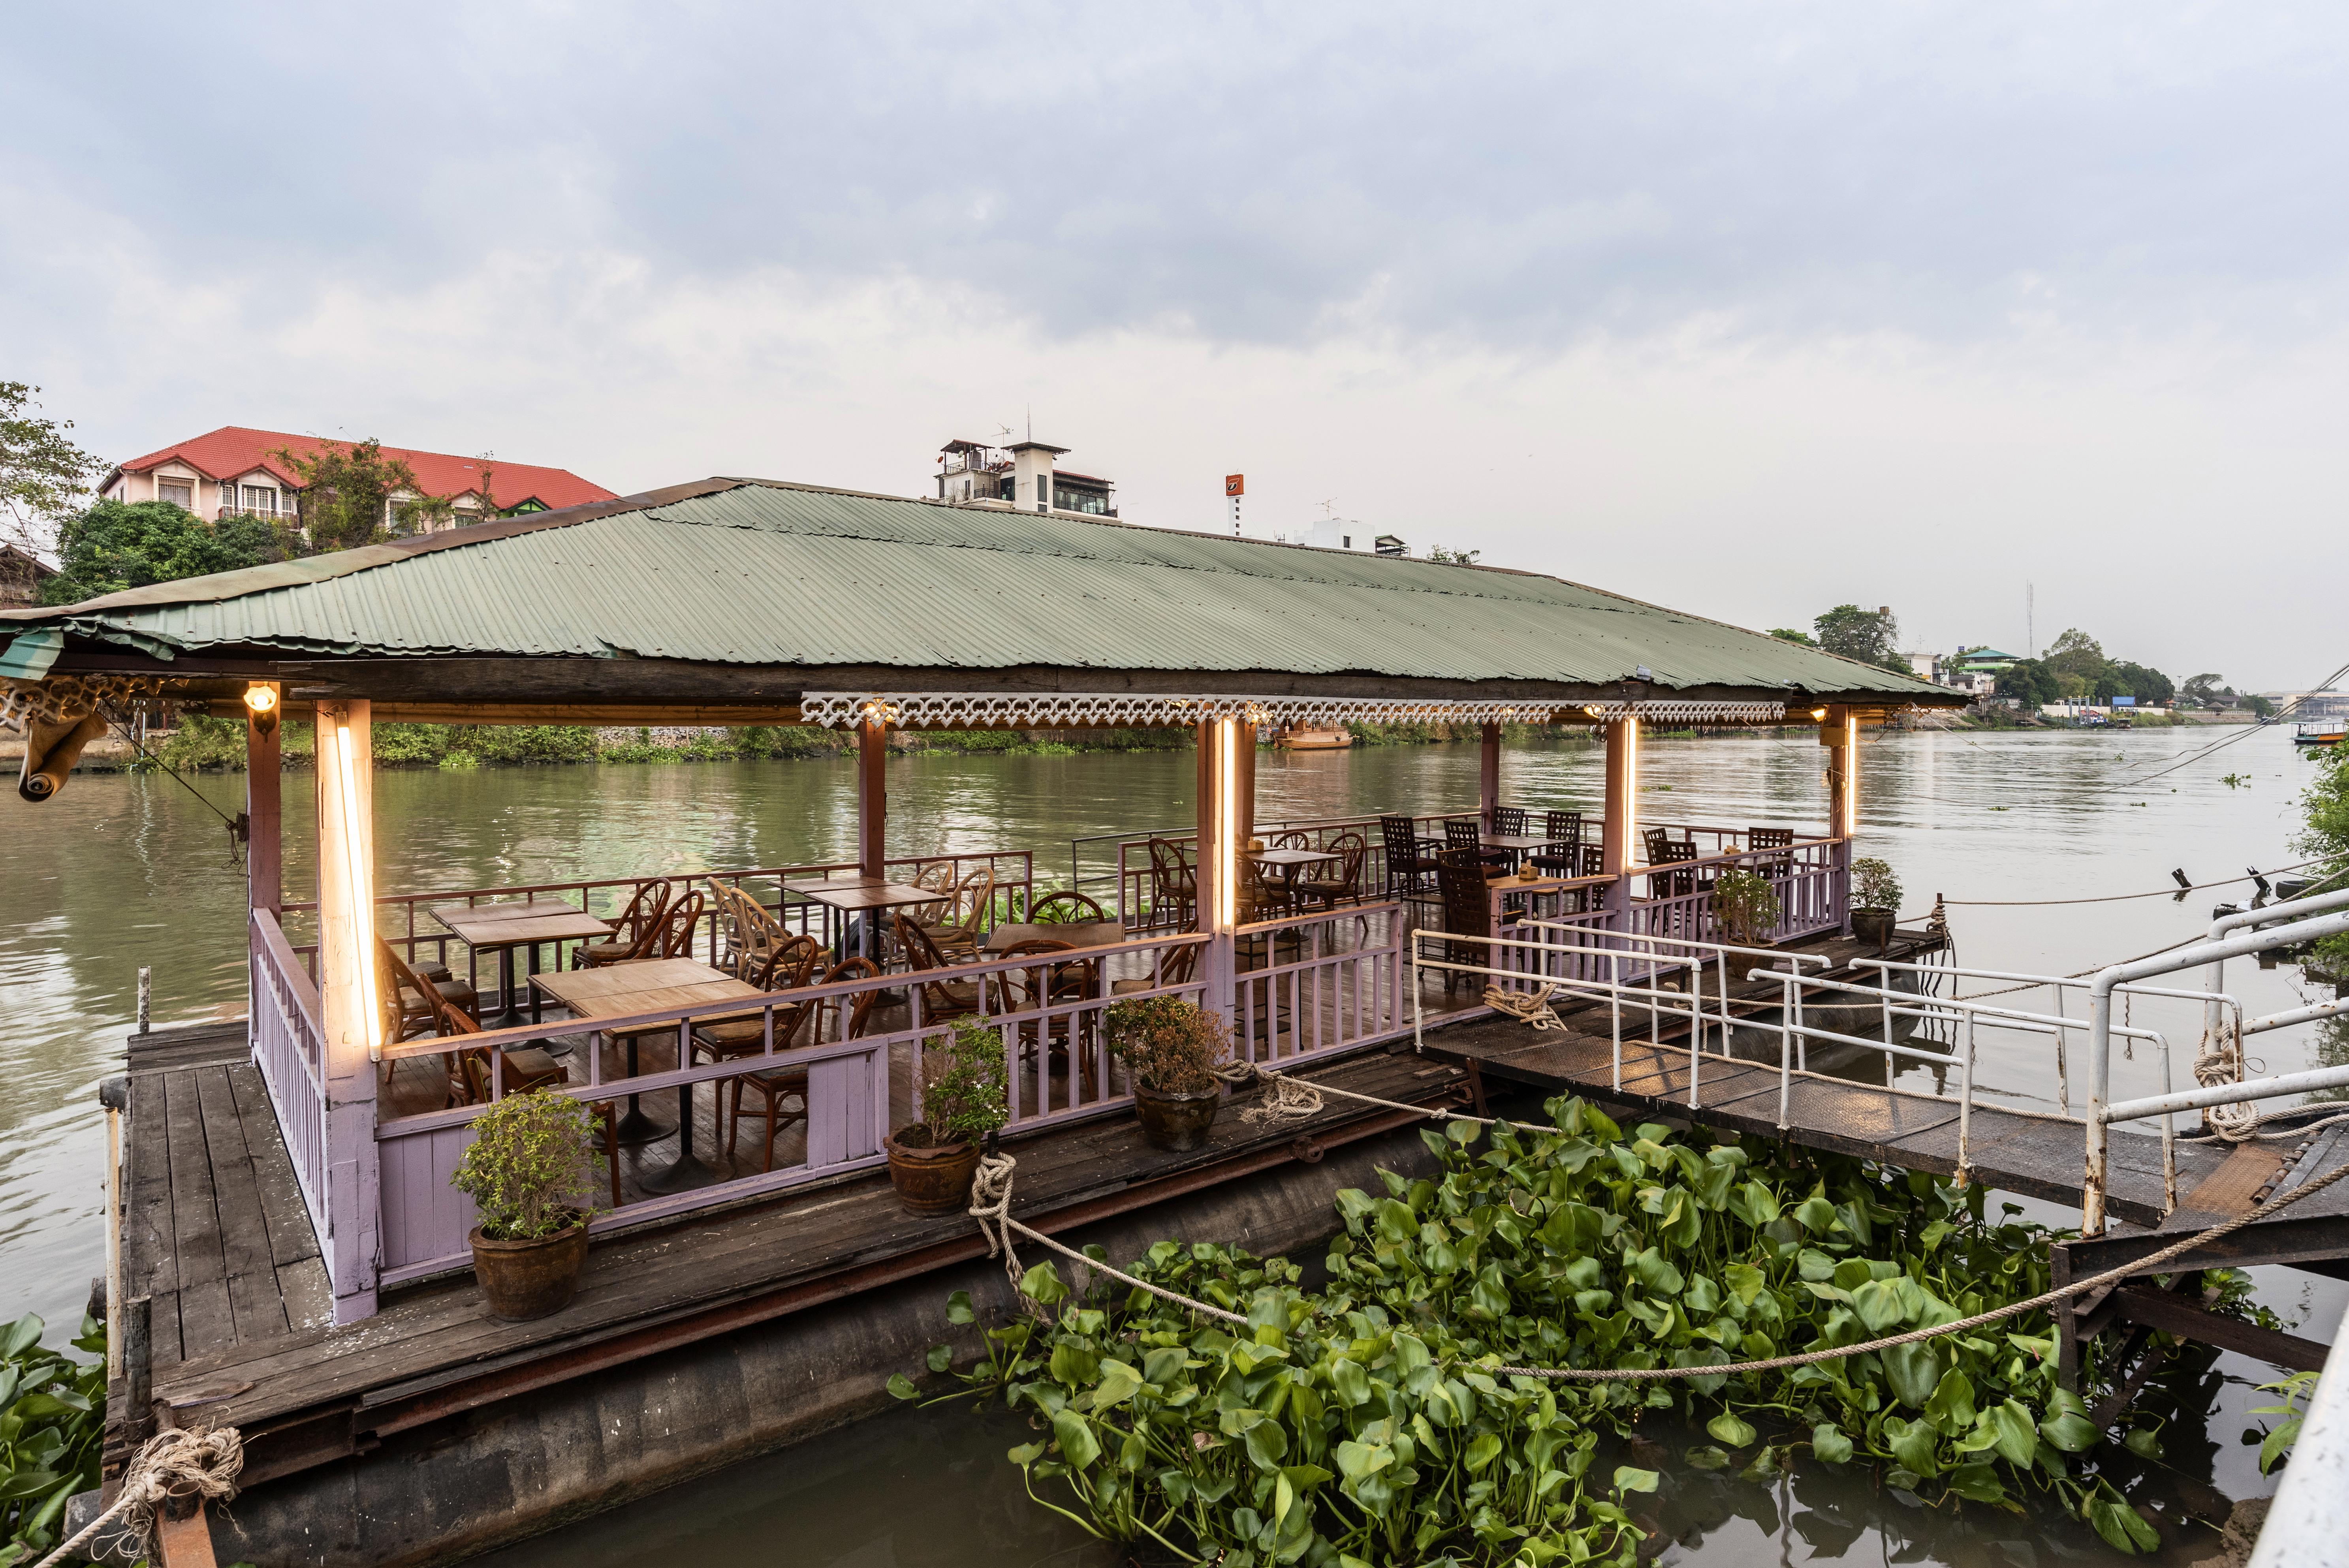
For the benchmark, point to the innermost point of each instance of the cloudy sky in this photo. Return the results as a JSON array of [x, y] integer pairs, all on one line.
[[1748, 309]]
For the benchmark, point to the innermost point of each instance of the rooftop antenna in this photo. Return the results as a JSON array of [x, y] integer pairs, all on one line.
[[2030, 635], [1329, 507], [1031, 421]]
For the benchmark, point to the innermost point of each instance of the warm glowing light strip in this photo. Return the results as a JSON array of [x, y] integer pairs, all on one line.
[[360, 881], [1227, 826]]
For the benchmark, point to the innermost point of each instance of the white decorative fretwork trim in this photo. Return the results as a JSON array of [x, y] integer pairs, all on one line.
[[1062, 710]]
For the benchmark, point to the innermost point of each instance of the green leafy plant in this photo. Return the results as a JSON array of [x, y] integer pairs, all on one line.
[[1169, 1044], [1874, 885], [1747, 905], [2277, 1440], [52, 1420], [1374, 1422], [530, 1168], [964, 1095]]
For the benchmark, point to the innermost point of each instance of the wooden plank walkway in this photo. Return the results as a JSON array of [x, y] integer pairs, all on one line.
[[215, 1232], [304, 1392], [2038, 1154]]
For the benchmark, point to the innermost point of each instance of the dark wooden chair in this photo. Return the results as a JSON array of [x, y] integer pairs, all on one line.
[[1562, 856], [1175, 969], [1064, 909], [1467, 911], [1029, 989], [634, 934], [1340, 881], [784, 1081], [1411, 860], [1509, 821], [1461, 837], [941, 999], [1659, 841], [1776, 867], [1174, 881], [1666, 882]]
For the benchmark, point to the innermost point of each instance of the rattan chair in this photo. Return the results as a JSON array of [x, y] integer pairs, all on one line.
[[1343, 881], [1173, 882], [634, 934], [1174, 968], [1065, 909], [941, 998], [784, 1081], [786, 969], [750, 931], [411, 997], [958, 935]]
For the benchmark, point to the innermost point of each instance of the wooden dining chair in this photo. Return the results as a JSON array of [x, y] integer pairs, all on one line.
[[787, 969], [942, 999], [958, 935], [634, 934], [529, 1071], [410, 996], [1509, 821], [1029, 989], [1174, 968], [675, 932], [1341, 880], [751, 931], [1065, 909], [1174, 882], [1462, 837], [1562, 856], [1776, 867], [786, 1081], [1467, 911], [1411, 860], [939, 877]]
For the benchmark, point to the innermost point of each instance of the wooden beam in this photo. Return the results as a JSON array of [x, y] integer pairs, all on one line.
[[872, 796], [1621, 831], [2157, 1308], [265, 845], [352, 1019]]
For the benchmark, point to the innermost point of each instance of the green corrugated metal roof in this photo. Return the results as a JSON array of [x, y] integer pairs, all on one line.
[[759, 573]]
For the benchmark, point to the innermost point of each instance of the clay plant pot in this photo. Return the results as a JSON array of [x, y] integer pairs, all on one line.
[[1175, 1121], [1873, 926], [523, 1280], [932, 1179]]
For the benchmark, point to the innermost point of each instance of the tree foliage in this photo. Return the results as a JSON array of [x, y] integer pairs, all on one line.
[[1453, 557], [41, 472], [1788, 635], [347, 490], [2030, 683], [1871, 636], [114, 545]]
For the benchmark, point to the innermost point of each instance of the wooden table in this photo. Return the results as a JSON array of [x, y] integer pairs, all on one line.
[[1076, 934], [864, 895], [501, 928], [647, 986]]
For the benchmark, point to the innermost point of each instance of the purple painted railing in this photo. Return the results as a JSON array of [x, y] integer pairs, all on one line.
[[290, 1050]]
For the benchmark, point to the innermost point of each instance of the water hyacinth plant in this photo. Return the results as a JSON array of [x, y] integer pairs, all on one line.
[[1375, 1422], [52, 1416]]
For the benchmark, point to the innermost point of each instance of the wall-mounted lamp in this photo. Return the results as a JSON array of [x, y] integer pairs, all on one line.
[[261, 701], [1819, 714]]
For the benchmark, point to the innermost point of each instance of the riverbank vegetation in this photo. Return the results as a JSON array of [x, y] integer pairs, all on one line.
[[2324, 834], [1375, 1421]]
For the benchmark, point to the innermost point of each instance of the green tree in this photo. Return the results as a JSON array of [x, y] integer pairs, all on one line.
[[2324, 834], [41, 472], [1871, 636], [347, 492], [1788, 635], [2201, 690], [1453, 557], [116, 545], [2261, 707], [2148, 685], [2029, 682]]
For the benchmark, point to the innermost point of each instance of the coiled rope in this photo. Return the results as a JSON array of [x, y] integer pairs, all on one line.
[[991, 1207], [171, 1464]]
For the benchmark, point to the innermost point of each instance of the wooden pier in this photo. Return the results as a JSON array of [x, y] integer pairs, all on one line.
[[219, 1229]]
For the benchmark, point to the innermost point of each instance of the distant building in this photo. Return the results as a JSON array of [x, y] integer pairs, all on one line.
[[21, 576], [1326, 533], [231, 472], [1388, 544], [1022, 477]]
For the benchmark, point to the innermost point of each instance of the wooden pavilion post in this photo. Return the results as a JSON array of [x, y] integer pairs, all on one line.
[[1218, 876], [352, 1021], [265, 845], [1488, 776], [1243, 772], [1619, 832], [872, 795], [1840, 733]]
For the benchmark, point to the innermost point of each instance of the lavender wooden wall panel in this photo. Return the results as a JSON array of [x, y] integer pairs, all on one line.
[[425, 1220]]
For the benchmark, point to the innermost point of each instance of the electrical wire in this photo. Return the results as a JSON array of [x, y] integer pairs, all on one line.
[[2124, 897], [235, 828]]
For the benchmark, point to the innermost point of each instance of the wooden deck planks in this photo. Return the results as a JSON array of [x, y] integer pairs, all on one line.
[[440, 1333]]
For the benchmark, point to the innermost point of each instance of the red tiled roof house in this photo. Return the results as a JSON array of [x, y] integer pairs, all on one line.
[[231, 471]]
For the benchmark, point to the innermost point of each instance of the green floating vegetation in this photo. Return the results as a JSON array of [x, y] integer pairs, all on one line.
[[1370, 1423], [52, 1416]]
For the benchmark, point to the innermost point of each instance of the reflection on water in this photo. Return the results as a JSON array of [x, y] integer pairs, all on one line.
[[121, 872]]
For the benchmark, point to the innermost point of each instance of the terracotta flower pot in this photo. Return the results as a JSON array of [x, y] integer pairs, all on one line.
[[1873, 926], [934, 1179], [1175, 1121], [523, 1280]]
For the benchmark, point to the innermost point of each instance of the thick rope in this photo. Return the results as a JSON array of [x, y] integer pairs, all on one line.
[[1531, 1007], [991, 1206], [175, 1463]]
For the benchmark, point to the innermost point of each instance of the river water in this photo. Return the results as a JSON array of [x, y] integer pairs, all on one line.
[[121, 871]]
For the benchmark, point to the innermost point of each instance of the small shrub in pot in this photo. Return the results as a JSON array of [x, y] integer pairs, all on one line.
[[1875, 901], [964, 1099], [1748, 907], [1171, 1049], [530, 1172]]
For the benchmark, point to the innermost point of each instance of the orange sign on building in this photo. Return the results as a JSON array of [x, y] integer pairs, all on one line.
[[1236, 484]]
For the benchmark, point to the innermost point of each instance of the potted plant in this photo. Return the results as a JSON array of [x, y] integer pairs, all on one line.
[[1748, 907], [1171, 1049], [963, 1099], [1875, 902], [530, 1172]]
